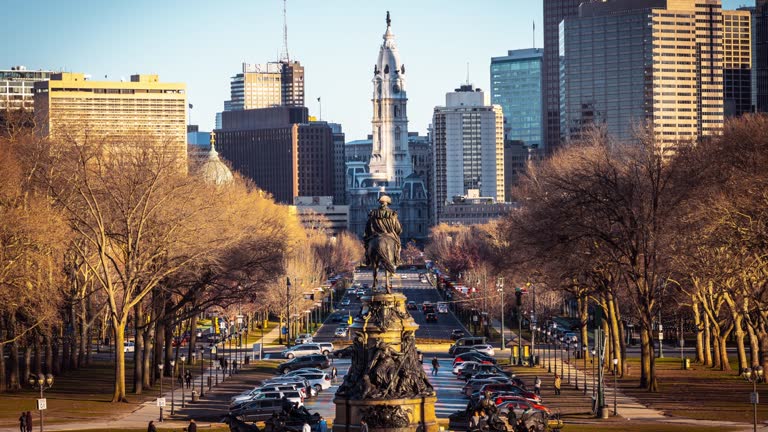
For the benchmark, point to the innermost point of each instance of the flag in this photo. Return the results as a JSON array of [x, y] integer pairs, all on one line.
[[190, 106], [534, 26]]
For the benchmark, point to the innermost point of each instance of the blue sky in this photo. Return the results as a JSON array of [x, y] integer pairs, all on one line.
[[203, 43]]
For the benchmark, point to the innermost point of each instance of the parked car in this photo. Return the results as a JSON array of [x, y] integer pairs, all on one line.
[[483, 349], [300, 350], [128, 346], [519, 404], [258, 410], [316, 360], [457, 368], [475, 385], [341, 332], [431, 317], [256, 392], [325, 347], [457, 334], [304, 338], [296, 380], [344, 352], [411, 305], [471, 370], [474, 356], [294, 396], [318, 380], [507, 387]]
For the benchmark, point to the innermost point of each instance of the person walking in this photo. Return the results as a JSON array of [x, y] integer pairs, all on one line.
[[558, 381], [322, 426], [537, 386], [363, 426], [188, 378], [192, 426], [29, 421], [334, 373], [151, 426], [435, 365], [23, 422]]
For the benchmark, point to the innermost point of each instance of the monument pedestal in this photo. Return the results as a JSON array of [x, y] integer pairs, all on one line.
[[386, 385]]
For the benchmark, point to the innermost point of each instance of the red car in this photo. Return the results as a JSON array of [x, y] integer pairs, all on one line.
[[519, 404]]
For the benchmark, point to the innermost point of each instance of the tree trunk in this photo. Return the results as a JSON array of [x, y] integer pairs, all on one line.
[[147, 357], [56, 351], [754, 346], [739, 333], [138, 350], [27, 360], [83, 351], [3, 381], [119, 335], [699, 325], [38, 365], [716, 346], [615, 335], [168, 348], [48, 354], [708, 360], [647, 360]]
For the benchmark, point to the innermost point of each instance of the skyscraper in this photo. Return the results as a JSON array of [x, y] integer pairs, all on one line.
[[761, 54], [554, 12], [266, 86], [644, 62], [468, 146], [516, 86], [389, 168], [737, 62]]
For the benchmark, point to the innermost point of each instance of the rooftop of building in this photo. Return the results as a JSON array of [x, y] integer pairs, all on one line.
[[81, 81], [520, 54]]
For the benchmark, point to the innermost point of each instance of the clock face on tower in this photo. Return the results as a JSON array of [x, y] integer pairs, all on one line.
[[396, 88]]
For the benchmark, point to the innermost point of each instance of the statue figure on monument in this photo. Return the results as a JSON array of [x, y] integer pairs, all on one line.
[[382, 241]]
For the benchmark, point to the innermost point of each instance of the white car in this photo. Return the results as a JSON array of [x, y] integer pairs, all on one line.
[[301, 350], [304, 338], [128, 347], [457, 368], [485, 349], [341, 332], [319, 381], [442, 308]]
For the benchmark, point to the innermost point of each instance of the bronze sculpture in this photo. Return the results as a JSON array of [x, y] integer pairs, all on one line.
[[382, 241]]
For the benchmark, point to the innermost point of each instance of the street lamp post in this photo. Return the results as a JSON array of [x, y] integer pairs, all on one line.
[[500, 288], [43, 383], [575, 362], [562, 357], [592, 361], [615, 386], [202, 369], [160, 367], [288, 311], [752, 375], [173, 386], [549, 356], [183, 359]]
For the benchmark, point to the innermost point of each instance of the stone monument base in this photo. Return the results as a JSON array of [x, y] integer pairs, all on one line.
[[387, 415]]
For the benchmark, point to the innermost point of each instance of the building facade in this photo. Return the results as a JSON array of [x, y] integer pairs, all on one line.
[[17, 87], [761, 55], [644, 62], [468, 148], [267, 85], [388, 169], [70, 103], [320, 212], [516, 87], [474, 210], [280, 150], [554, 12], [737, 62], [339, 159]]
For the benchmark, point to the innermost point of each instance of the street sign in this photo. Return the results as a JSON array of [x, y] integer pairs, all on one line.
[[161, 402], [42, 404], [285, 330], [661, 336], [256, 349], [239, 319], [754, 398]]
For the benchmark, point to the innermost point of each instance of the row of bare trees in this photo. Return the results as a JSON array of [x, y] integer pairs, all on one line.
[[622, 228], [106, 237]]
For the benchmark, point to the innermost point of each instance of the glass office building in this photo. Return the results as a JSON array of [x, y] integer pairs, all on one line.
[[516, 86]]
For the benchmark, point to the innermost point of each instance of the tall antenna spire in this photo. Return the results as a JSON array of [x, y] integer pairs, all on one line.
[[284, 56], [534, 34], [467, 73]]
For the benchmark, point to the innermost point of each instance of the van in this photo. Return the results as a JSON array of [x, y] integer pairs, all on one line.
[[467, 341]]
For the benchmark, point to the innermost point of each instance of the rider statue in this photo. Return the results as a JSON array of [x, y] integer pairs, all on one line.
[[383, 222]]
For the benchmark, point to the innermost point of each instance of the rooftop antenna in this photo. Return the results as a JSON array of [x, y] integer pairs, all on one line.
[[284, 56], [467, 73], [534, 34]]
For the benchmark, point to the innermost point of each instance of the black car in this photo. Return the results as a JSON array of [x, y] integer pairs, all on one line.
[[457, 334], [474, 369], [476, 356], [309, 361], [259, 410], [431, 317]]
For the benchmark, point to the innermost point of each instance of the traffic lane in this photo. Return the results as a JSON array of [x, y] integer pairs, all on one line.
[[446, 322]]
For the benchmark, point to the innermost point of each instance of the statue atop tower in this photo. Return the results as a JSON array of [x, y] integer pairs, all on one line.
[[390, 162]]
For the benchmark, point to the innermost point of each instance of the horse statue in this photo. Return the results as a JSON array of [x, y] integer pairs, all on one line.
[[382, 242]]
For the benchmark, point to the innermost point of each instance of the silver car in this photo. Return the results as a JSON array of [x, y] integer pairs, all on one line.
[[301, 350]]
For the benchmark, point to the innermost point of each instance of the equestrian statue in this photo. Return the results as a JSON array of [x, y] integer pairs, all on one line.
[[382, 241]]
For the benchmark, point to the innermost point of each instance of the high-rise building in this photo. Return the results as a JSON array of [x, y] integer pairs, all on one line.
[[388, 170], [17, 87], [70, 103], [267, 85], [644, 62], [554, 12], [468, 146], [761, 55], [339, 159], [516, 86], [737, 62], [280, 150]]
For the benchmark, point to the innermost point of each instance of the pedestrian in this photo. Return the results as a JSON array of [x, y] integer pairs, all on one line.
[[23, 422], [482, 424], [29, 421], [537, 385], [557, 384], [363, 426], [334, 373], [323, 425], [188, 378], [192, 426], [181, 380], [151, 426], [306, 427], [474, 422], [435, 365]]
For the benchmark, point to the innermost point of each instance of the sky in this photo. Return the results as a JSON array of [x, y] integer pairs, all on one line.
[[203, 44]]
